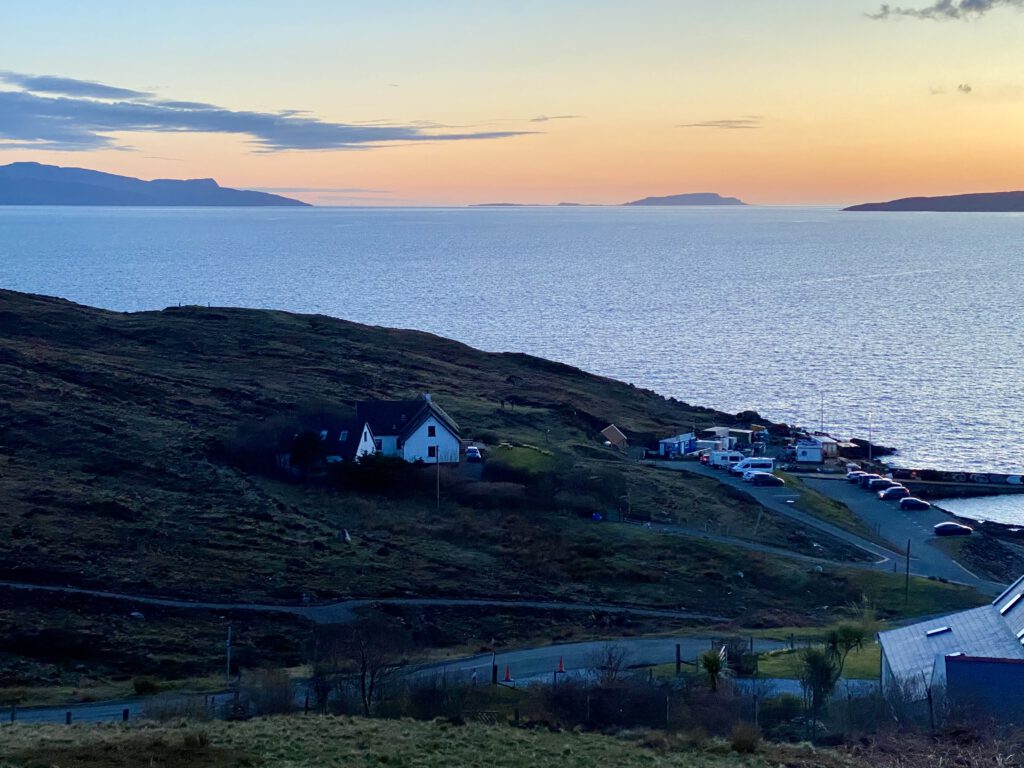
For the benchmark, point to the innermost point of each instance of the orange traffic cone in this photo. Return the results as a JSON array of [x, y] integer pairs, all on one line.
[[561, 665], [508, 674]]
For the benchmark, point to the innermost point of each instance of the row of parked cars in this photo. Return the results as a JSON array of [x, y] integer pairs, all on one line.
[[888, 489]]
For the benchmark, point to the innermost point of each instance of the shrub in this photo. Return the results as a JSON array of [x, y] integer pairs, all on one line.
[[745, 738], [270, 692], [145, 686]]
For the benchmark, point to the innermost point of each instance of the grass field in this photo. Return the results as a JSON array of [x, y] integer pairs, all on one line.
[[861, 664], [313, 742]]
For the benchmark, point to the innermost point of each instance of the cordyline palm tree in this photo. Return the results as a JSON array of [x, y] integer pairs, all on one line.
[[818, 678], [712, 664]]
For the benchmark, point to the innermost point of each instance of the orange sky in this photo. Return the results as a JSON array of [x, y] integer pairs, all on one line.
[[839, 107]]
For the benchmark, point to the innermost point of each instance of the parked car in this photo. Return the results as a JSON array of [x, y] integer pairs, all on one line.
[[893, 493], [952, 529], [864, 480], [473, 455], [856, 475], [909, 503], [764, 478], [749, 474], [881, 483]]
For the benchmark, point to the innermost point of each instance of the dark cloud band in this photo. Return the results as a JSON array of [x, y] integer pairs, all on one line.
[[946, 9], [64, 114]]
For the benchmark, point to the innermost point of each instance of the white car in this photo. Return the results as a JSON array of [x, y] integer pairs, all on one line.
[[473, 455], [750, 474]]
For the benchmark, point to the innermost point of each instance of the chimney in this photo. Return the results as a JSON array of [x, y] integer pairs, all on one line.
[[426, 396]]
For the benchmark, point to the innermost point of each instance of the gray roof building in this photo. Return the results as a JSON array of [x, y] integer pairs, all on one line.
[[913, 657]]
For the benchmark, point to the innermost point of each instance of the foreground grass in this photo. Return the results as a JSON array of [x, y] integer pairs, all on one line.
[[300, 742]]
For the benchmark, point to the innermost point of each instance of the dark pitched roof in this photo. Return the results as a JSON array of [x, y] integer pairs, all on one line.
[[343, 439], [399, 417]]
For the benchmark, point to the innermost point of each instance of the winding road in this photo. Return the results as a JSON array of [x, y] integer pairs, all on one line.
[[344, 612], [893, 525]]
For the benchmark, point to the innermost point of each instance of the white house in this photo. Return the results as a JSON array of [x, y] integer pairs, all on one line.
[[415, 430]]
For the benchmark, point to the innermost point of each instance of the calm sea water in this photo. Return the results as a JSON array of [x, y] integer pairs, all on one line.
[[912, 322]]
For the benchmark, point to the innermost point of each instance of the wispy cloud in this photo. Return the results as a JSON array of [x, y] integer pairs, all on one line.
[[67, 86], [945, 9], [63, 114], [546, 118], [746, 122]]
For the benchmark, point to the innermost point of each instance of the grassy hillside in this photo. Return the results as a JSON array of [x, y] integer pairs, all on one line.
[[131, 450], [301, 742]]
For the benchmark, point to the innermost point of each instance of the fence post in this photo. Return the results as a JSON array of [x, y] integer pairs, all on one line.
[[679, 658], [67, 718], [494, 673], [124, 715], [668, 710], [14, 712]]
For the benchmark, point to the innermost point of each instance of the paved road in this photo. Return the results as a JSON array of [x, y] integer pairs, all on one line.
[[753, 546], [526, 666], [779, 500], [344, 612], [898, 527]]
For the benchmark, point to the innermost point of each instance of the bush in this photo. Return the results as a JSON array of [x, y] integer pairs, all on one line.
[[270, 692], [145, 686], [745, 738]]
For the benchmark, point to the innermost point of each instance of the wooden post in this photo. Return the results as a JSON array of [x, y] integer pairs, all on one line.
[[494, 673], [124, 715], [14, 712], [67, 718], [679, 659]]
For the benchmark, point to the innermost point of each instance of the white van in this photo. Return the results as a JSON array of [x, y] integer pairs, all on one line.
[[725, 459], [758, 463]]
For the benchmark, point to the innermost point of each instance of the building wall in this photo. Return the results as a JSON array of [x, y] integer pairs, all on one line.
[[417, 445], [388, 445], [808, 453], [366, 446]]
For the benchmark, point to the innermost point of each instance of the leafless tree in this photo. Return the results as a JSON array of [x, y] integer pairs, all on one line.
[[366, 654], [608, 664]]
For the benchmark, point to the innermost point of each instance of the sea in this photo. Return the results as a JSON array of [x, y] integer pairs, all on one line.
[[907, 327]]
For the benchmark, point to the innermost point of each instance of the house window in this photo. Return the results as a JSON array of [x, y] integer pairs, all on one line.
[[343, 436], [431, 431], [432, 452]]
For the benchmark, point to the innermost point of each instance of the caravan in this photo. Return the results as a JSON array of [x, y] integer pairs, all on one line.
[[725, 459]]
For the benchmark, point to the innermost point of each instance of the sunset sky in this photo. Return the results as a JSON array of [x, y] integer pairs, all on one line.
[[427, 103]]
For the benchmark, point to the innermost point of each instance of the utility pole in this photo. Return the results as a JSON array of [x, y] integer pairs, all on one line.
[[228, 646], [870, 438], [821, 413], [906, 587]]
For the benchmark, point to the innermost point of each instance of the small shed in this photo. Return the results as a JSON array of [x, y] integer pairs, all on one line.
[[614, 436]]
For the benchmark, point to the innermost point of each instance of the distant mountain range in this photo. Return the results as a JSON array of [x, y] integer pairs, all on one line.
[[36, 184], [693, 198], [994, 202]]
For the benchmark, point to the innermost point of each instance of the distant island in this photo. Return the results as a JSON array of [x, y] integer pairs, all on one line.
[[37, 184], [694, 198], [985, 202]]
